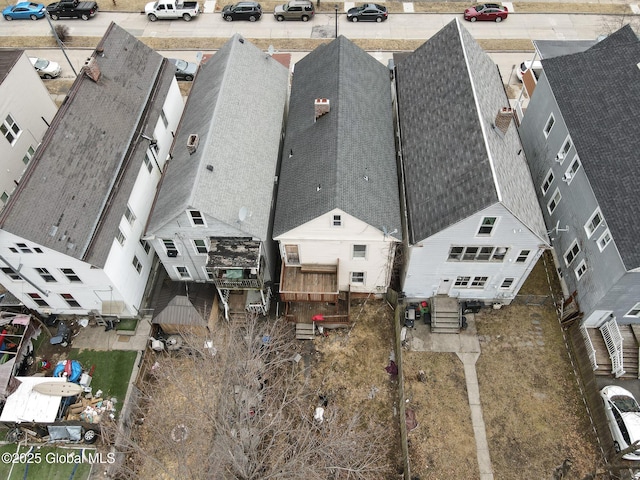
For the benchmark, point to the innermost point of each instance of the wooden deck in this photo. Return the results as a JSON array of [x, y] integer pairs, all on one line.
[[629, 352], [309, 283], [334, 314]]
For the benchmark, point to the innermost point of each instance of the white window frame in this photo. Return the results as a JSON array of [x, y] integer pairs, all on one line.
[[555, 199], [197, 247], [358, 278], [208, 274], [12, 274], [581, 269], [8, 129], [570, 174], [564, 151], [604, 240], [197, 218], [570, 254], [588, 227], [129, 216], [120, 237], [507, 283], [634, 311], [491, 226], [336, 220], [548, 126], [71, 301], [479, 282], [523, 256], [360, 254], [4, 197], [462, 282], [71, 275], [169, 244], [147, 161], [548, 180], [186, 271], [29, 155], [46, 275], [137, 264]]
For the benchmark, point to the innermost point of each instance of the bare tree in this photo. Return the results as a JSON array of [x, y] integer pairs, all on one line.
[[245, 410]]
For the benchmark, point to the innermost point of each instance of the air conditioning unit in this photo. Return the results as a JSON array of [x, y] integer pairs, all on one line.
[[560, 157], [567, 177], [172, 253]]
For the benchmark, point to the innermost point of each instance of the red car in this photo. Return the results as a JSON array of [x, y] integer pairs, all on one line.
[[488, 11]]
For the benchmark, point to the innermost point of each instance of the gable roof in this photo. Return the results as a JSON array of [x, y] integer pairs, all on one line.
[[8, 59], [236, 107], [75, 191], [598, 93], [179, 311], [345, 159], [456, 162]]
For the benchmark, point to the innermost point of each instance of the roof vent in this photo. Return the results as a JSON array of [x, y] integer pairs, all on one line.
[[503, 119], [192, 143], [321, 107], [91, 69]]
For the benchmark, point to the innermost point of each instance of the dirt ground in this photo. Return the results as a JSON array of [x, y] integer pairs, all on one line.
[[533, 411]]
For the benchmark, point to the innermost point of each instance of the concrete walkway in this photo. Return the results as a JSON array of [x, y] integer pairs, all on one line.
[[466, 346]]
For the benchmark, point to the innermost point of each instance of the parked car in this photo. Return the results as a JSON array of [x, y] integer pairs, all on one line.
[[72, 9], [184, 70], [623, 417], [536, 68], [294, 10], [369, 12], [251, 11], [45, 68], [23, 11], [488, 11]]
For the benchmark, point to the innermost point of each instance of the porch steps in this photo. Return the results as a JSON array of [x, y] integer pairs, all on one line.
[[445, 314], [305, 331], [629, 352]]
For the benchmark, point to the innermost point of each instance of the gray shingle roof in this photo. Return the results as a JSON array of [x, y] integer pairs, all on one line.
[[8, 59], [73, 195], [456, 163], [598, 92], [236, 107], [348, 152]]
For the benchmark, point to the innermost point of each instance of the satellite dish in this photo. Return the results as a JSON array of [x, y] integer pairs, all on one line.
[[242, 214]]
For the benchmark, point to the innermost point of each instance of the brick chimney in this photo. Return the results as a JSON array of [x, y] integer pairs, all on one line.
[[503, 119], [91, 69], [321, 107]]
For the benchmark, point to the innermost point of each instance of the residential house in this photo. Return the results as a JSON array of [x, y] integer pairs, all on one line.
[[26, 111], [211, 220], [70, 234], [337, 216], [581, 138], [474, 228]]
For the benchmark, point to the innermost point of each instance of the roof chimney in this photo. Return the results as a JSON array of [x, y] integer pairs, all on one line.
[[192, 143], [503, 119], [91, 69], [321, 107]]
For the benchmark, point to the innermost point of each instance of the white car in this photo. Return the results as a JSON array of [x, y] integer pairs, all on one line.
[[536, 67], [623, 417], [45, 68]]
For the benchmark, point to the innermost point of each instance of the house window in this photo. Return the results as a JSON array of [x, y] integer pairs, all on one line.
[[548, 180], [11, 273], [24, 248], [507, 283], [359, 251], [209, 273], [136, 264], [604, 240], [148, 162], [485, 254], [37, 249], [337, 221], [477, 254], [72, 302], [549, 125], [479, 282], [572, 253], [572, 170], [634, 312], [581, 269], [486, 227], [46, 275], [13, 249], [170, 246], [4, 197], [28, 156], [120, 237], [196, 218], [594, 222], [357, 277], [129, 215], [163, 116], [522, 256], [455, 253], [564, 151], [38, 299], [462, 281], [10, 129], [553, 203], [71, 275], [146, 246], [183, 273], [470, 253], [200, 246]]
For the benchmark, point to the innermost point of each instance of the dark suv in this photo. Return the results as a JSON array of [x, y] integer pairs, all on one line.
[[242, 11]]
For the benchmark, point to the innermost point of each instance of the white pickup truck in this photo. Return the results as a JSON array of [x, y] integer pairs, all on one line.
[[169, 9]]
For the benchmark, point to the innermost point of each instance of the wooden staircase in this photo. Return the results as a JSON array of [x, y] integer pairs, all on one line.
[[305, 331], [445, 314], [629, 351]]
